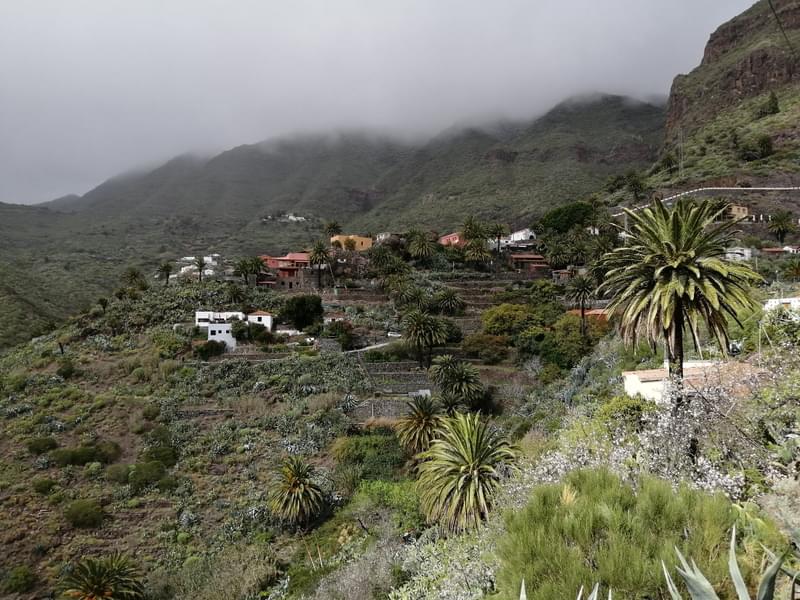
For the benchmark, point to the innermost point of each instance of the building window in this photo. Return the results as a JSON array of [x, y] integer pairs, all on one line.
[[259, 319]]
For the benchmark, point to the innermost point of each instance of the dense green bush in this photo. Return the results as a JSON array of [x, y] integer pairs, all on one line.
[[400, 496], [160, 447], [509, 319], [118, 473], [144, 474], [40, 445], [209, 349], [491, 349], [380, 456], [66, 368], [625, 412], [595, 528], [103, 452], [302, 311], [19, 580], [84, 514], [43, 485], [564, 218]]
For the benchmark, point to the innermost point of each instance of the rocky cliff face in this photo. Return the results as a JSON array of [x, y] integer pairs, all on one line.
[[744, 57]]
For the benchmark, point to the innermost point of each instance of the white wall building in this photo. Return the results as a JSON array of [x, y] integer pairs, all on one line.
[[738, 253], [260, 317], [516, 237], [202, 318], [651, 384], [221, 332], [790, 303]]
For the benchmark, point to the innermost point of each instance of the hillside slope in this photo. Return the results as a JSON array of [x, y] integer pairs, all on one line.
[[719, 114]]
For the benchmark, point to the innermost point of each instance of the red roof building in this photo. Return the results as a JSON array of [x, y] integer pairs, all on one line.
[[453, 239]]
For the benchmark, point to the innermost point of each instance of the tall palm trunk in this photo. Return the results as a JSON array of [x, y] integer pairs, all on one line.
[[675, 356], [319, 276], [583, 319]]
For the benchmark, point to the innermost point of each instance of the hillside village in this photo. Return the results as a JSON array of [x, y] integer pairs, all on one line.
[[552, 360], [215, 372]]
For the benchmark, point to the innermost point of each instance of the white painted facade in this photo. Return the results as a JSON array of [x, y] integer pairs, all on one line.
[[202, 318], [738, 253], [790, 303], [651, 384], [221, 332], [516, 237], [260, 318]]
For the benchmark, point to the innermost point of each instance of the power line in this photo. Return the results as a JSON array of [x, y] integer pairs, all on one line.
[[783, 31]]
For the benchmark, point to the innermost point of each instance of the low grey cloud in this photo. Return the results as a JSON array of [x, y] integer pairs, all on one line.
[[90, 88]]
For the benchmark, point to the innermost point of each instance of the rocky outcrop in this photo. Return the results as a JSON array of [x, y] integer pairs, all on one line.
[[744, 57]]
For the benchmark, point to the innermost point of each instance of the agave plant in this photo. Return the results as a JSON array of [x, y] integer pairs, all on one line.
[[112, 578], [594, 595], [295, 498], [460, 473], [700, 588]]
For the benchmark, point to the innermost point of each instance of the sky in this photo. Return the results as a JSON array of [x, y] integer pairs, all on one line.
[[93, 88]]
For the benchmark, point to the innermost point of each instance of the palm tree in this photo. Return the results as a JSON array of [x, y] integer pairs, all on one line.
[[497, 231], [473, 229], [461, 471], [332, 228], [792, 269], [319, 256], [448, 302], [475, 251], [112, 578], [133, 277], [417, 429], [411, 296], [294, 497], [672, 274], [256, 267], [423, 332], [580, 291], [103, 303], [234, 293], [200, 263], [164, 271], [459, 381], [242, 269], [558, 256], [781, 224], [420, 245]]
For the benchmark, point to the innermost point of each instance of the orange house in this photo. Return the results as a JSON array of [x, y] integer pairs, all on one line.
[[453, 239]]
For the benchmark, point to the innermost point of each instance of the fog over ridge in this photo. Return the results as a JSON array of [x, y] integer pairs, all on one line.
[[92, 88]]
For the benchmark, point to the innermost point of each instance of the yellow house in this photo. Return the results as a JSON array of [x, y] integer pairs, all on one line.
[[360, 242]]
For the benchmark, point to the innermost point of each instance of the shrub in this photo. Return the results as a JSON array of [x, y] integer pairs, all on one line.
[[66, 368], [85, 514], [564, 218], [103, 451], [143, 475], [508, 319], [491, 349], [166, 455], [43, 485], [209, 349], [624, 411], [19, 580], [400, 496], [40, 445], [118, 473], [594, 527], [302, 311], [380, 456], [151, 412]]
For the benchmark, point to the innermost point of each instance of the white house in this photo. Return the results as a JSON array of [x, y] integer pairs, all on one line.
[[212, 259], [738, 253], [202, 318], [651, 384], [261, 318], [517, 237], [790, 303], [221, 332]]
